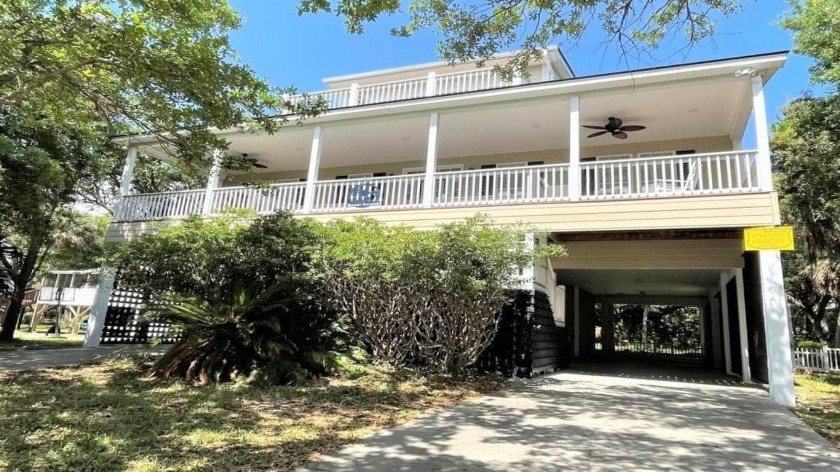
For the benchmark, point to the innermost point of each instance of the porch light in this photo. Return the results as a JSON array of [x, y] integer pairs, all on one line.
[[746, 71]]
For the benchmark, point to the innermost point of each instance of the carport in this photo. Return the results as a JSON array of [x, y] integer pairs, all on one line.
[[705, 269]]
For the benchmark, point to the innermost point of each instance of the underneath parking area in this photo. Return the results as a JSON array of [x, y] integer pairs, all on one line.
[[602, 416]]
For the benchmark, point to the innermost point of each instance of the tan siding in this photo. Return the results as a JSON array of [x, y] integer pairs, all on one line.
[[734, 211], [674, 254], [548, 156]]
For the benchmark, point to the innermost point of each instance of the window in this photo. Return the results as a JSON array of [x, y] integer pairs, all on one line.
[[643, 155]]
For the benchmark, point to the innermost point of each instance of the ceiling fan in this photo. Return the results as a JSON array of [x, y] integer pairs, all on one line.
[[253, 162], [614, 127]]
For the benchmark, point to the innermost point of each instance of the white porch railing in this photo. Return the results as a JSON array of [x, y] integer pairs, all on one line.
[[821, 360], [430, 86], [691, 174], [159, 206], [393, 192], [391, 91], [263, 200], [468, 81], [701, 174], [505, 185]]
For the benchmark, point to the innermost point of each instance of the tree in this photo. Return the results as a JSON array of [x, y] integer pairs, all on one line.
[[816, 24], [150, 66], [40, 166], [478, 29], [806, 146]]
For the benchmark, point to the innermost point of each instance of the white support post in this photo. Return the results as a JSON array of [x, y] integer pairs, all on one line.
[[776, 328], [574, 148], [212, 182], [353, 99], [724, 312], [128, 171], [431, 162], [430, 85], [312, 173], [746, 376], [99, 308], [762, 137], [576, 305], [546, 72], [517, 79]]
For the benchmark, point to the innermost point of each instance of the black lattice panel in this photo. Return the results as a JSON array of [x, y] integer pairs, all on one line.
[[550, 345], [123, 323]]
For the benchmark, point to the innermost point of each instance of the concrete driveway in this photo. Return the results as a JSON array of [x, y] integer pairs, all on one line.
[[600, 419]]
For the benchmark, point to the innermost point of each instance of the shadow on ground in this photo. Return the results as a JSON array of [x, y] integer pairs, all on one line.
[[592, 419]]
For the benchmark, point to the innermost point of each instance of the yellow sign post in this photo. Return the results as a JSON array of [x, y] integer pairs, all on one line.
[[778, 238]]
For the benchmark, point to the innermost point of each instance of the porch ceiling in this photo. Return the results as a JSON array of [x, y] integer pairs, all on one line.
[[719, 107], [695, 283]]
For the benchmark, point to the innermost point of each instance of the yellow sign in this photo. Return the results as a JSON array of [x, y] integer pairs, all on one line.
[[779, 238]]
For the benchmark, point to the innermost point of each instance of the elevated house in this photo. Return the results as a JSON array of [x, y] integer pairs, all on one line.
[[642, 175]]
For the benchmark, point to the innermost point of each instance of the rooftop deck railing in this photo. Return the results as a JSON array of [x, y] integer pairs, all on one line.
[[432, 85], [620, 179]]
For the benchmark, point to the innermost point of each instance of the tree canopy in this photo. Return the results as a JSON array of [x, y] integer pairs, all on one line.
[[478, 29], [148, 66]]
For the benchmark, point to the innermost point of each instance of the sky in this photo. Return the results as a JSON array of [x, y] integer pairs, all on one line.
[[288, 49]]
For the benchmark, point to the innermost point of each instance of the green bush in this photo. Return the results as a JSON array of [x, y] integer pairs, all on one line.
[[806, 344], [243, 292]]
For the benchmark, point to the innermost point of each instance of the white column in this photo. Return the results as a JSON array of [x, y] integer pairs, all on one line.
[[577, 320], [353, 99], [431, 162], [746, 376], [99, 309], [724, 311], [574, 148], [430, 85], [128, 171], [312, 173], [776, 328], [762, 137], [212, 182]]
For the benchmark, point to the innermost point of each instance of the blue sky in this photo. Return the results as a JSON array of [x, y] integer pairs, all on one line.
[[292, 50]]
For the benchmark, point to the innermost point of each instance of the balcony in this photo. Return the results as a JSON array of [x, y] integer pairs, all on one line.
[[723, 173]]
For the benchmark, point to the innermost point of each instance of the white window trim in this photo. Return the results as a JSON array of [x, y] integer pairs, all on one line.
[[504, 165], [610, 157], [285, 181], [441, 168], [644, 155], [363, 175]]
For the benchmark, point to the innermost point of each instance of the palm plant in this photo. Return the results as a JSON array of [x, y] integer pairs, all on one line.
[[253, 329]]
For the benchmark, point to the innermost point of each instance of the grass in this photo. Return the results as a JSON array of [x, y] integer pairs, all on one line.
[[111, 417], [39, 340], [818, 403]]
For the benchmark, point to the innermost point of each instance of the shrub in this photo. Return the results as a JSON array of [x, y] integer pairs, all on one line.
[[436, 294], [243, 292]]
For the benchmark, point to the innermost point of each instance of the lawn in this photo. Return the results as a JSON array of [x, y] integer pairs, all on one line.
[[26, 340], [112, 417], [818, 403]]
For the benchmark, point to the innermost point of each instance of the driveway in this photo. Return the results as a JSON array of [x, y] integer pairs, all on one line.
[[31, 359], [600, 419]]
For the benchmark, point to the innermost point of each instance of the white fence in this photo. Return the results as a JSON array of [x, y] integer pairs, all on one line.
[[263, 200], [393, 192], [430, 86], [544, 183], [659, 177], [694, 174], [159, 206], [468, 81], [820, 360], [391, 91]]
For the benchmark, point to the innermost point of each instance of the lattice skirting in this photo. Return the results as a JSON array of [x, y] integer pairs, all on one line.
[[528, 341], [123, 323]]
